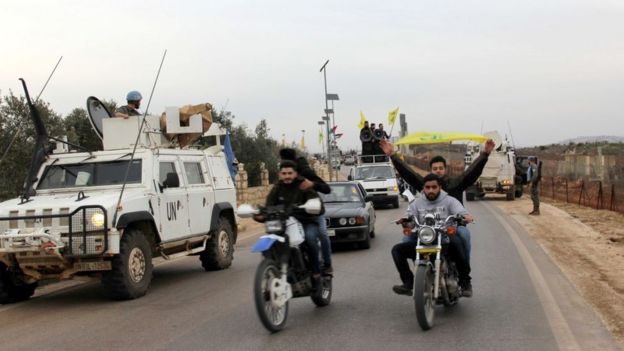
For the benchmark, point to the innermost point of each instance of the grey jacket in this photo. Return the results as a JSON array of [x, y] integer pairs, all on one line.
[[445, 205]]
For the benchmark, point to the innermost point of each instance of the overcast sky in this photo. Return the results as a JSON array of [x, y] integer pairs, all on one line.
[[552, 70]]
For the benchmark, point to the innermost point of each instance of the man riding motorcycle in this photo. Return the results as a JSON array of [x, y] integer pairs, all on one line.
[[435, 200], [313, 181], [454, 186], [287, 191]]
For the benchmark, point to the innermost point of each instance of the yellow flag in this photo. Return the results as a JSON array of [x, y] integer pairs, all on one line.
[[392, 116], [438, 137], [362, 120], [320, 137], [302, 144]]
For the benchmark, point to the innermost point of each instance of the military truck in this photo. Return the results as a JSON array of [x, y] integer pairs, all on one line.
[[109, 213], [499, 175]]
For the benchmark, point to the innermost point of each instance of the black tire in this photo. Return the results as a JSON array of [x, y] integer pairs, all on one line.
[[132, 267], [323, 296], [395, 204], [423, 296], [12, 289], [219, 251], [519, 192], [276, 321], [511, 194], [470, 196]]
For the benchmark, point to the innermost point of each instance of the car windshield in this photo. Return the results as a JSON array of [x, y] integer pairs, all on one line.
[[374, 172], [89, 174], [342, 193]]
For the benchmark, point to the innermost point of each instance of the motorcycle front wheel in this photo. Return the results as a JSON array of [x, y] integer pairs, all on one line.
[[272, 317], [423, 296]]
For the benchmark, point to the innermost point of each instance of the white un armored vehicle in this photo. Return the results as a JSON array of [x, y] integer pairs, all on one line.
[[499, 175], [109, 213]]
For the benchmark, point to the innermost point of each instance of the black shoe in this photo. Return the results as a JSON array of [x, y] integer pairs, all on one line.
[[327, 270], [402, 290], [466, 289]]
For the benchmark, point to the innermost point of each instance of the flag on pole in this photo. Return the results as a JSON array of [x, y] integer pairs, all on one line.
[[320, 137], [392, 115], [362, 120], [229, 156], [302, 144], [339, 135], [333, 130]]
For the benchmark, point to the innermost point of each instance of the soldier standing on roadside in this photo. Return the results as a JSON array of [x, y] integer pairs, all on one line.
[[534, 175]]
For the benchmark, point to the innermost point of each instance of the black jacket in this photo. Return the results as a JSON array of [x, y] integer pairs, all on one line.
[[291, 195], [454, 186], [304, 170]]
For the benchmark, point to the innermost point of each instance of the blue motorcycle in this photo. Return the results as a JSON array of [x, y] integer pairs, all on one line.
[[285, 271]]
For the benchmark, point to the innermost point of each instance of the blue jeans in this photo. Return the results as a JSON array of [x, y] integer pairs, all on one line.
[[325, 244], [312, 235], [464, 234]]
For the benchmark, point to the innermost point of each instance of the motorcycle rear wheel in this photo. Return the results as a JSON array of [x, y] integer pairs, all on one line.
[[423, 296], [273, 318]]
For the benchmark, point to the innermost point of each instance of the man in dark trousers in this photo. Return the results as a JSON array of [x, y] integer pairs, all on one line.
[[534, 175], [313, 181]]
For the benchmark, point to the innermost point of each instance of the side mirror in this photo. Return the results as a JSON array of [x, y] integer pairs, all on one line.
[[349, 177], [312, 206], [172, 181], [246, 211], [368, 198]]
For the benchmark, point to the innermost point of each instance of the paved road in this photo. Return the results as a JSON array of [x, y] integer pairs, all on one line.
[[515, 307]]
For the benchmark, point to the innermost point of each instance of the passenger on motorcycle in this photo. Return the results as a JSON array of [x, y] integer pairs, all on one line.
[[454, 186], [434, 200], [313, 181], [287, 191]]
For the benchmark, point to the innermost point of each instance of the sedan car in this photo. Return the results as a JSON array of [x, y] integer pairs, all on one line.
[[350, 218]]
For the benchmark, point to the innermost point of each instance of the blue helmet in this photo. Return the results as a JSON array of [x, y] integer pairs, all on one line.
[[134, 96]]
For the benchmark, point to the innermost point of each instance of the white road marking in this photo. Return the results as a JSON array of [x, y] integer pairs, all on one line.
[[560, 328]]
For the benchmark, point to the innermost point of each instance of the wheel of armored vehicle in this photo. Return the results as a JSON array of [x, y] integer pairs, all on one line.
[[511, 194], [219, 251], [12, 289], [132, 268]]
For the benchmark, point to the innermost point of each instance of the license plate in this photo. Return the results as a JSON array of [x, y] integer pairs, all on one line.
[[93, 266], [331, 232]]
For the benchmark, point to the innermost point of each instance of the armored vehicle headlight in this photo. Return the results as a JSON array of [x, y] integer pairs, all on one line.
[[426, 235], [97, 219]]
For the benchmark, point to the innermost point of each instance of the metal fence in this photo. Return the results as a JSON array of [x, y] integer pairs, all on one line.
[[590, 193]]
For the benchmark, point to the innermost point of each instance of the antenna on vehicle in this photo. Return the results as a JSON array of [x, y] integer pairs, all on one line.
[[123, 187], [511, 134], [19, 128]]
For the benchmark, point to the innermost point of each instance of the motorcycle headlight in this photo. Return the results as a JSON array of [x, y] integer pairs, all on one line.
[[342, 221], [273, 226], [426, 235], [97, 220]]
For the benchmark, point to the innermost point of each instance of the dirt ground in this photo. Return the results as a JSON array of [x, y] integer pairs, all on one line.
[[587, 245]]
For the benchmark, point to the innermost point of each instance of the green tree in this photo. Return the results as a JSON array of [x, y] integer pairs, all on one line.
[[18, 128]]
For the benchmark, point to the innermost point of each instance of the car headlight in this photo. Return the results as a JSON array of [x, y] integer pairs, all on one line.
[[351, 221], [273, 226], [342, 221], [97, 219], [426, 235]]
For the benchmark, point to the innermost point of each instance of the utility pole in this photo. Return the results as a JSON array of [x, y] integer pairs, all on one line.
[[326, 119]]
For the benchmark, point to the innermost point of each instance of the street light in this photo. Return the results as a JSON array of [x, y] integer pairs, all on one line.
[[328, 111]]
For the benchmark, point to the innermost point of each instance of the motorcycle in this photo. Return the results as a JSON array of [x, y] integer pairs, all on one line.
[[436, 279], [285, 271]]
